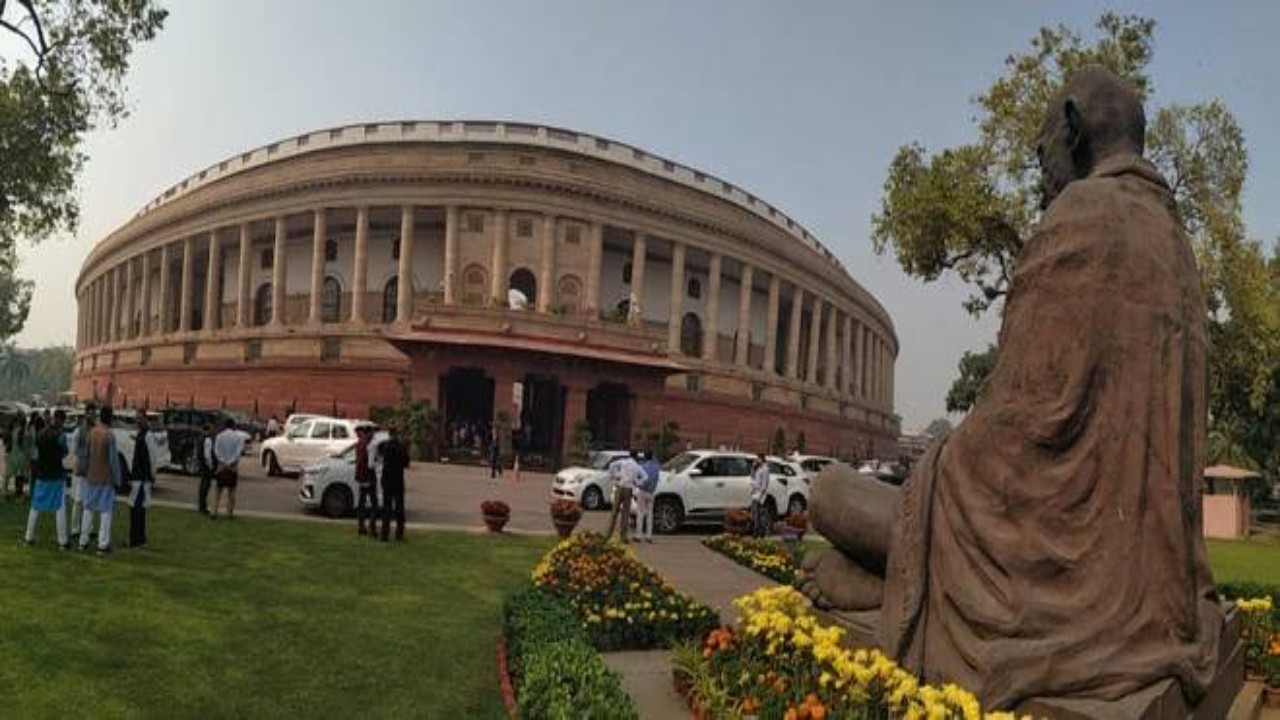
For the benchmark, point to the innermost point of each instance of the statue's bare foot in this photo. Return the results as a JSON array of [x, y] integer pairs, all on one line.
[[835, 582]]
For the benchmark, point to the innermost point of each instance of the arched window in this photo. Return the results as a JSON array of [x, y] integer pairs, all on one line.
[[524, 281], [331, 300], [475, 285], [390, 300], [690, 335], [262, 305], [569, 294]]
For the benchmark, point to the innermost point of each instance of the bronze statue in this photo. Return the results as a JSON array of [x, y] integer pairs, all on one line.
[[1051, 546]]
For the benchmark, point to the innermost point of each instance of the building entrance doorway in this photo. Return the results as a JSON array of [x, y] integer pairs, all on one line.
[[466, 402], [541, 432], [609, 415]]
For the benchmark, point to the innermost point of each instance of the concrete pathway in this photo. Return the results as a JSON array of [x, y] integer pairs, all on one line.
[[707, 577]]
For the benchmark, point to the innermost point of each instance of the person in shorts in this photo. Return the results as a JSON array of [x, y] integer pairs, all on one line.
[[228, 446], [50, 478]]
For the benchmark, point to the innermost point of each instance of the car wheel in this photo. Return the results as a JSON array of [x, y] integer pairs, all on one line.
[[796, 505], [592, 498], [668, 515], [336, 501], [271, 464], [191, 463]]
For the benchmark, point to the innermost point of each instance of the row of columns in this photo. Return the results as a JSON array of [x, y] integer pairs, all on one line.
[[864, 360]]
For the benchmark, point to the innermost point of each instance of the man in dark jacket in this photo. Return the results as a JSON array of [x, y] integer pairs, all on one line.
[[395, 458], [46, 492], [204, 447], [367, 503]]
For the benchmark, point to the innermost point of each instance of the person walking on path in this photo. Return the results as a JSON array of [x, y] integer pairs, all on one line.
[[101, 480], [204, 446], [495, 453], [143, 474], [759, 488], [394, 460], [73, 501], [227, 448], [367, 482], [645, 490], [626, 474], [50, 478]]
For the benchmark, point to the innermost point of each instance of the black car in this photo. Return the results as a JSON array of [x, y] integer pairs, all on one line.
[[186, 433]]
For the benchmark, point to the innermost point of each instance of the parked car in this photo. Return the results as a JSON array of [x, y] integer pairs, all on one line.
[[794, 479], [295, 420], [308, 442], [699, 486], [254, 429], [186, 434], [329, 484], [125, 427], [812, 464], [589, 485]]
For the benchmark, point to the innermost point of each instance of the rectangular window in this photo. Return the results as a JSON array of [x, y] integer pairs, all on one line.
[[474, 222], [757, 391], [692, 382], [253, 351], [395, 249], [188, 353], [573, 235], [146, 356], [626, 273], [330, 350], [524, 227], [268, 258], [115, 358]]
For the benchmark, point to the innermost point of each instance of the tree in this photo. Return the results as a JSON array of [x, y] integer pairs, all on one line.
[[939, 427], [969, 209], [67, 80]]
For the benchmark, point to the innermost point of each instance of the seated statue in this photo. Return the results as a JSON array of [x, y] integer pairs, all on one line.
[[1050, 546]]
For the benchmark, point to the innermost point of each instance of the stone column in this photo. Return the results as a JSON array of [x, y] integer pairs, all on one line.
[[815, 341], [864, 384], [360, 269], [711, 336], [888, 377], [451, 254], [547, 268], [846, 357], [319, 239], [145, 329], [832, 346], [166, 291], [99, 310], [676, 306], [188, 275], [130, 304], [404, 271], [595, 258], [742, 350], [635, 314], [212, 298], [278, 275], [243, 310], [575, 411], [498, 260], [793, 334], [771, 325]]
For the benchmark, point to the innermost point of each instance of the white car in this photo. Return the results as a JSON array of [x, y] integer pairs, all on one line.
[[699, 486], [794, 479], [812, 464], [125, 427], [591, 486], [329, 485], [307, 442]]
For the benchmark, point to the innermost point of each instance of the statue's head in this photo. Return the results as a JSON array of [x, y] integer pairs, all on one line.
[[1097, 115]]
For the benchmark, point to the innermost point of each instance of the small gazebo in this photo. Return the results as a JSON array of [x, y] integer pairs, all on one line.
[[1227, 508]]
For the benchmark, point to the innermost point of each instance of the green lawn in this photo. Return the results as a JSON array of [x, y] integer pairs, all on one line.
[[1245, 560], [254, 618]]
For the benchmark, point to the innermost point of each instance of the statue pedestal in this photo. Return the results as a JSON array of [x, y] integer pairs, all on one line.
[[1160, 701]]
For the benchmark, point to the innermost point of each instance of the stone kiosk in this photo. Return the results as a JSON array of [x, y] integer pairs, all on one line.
[[1047, 555]]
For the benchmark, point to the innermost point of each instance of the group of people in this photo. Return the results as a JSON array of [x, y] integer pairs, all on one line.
[[380, 461], [97, 477], [220, 453], [635, 477]]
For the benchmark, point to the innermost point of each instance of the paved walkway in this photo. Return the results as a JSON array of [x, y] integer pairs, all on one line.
[[707, 577]]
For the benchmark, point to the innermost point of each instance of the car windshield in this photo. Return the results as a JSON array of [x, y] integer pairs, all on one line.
[[679, 463], [602, 461]]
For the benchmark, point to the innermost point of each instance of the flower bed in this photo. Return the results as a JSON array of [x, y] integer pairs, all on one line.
[[554, 670], [781, 663], [621, 602], [775, 560]]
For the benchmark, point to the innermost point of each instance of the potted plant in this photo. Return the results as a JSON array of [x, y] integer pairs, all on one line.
[[738, 522], [565, 515], [793, 527], [496, 514]]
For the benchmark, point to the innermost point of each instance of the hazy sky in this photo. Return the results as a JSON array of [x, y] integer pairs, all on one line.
[[801, 103]]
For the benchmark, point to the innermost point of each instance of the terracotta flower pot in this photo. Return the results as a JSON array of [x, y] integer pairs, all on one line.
[[564, 527], [495, 523], [1271, 696]]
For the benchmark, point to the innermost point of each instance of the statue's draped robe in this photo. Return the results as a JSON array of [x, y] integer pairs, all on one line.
[[1051, 545]]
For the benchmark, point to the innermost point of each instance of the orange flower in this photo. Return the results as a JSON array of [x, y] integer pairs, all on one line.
[[791, 714], [750, 705]]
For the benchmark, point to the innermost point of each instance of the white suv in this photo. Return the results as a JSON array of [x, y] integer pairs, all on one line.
[[307, 442], [699, 486], [792, 481]]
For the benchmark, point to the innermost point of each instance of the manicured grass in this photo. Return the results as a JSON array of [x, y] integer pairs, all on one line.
[[254, 618], [1245, 560]]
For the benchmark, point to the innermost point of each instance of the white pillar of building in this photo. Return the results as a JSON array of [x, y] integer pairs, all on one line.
[[711, 332], [498, 259], [815, 341], [144, 330], [360, 266], [547, 266], [212, 298], [635, 308], [846, 357], [279, 276], [793, 334], [742, 348], [676, 305], [188, 286], [404, 271], [130, 304], [243, 313], [451, 254], [319, 239], [166, 291], [595, 257], [771, 325], [832, 348]]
